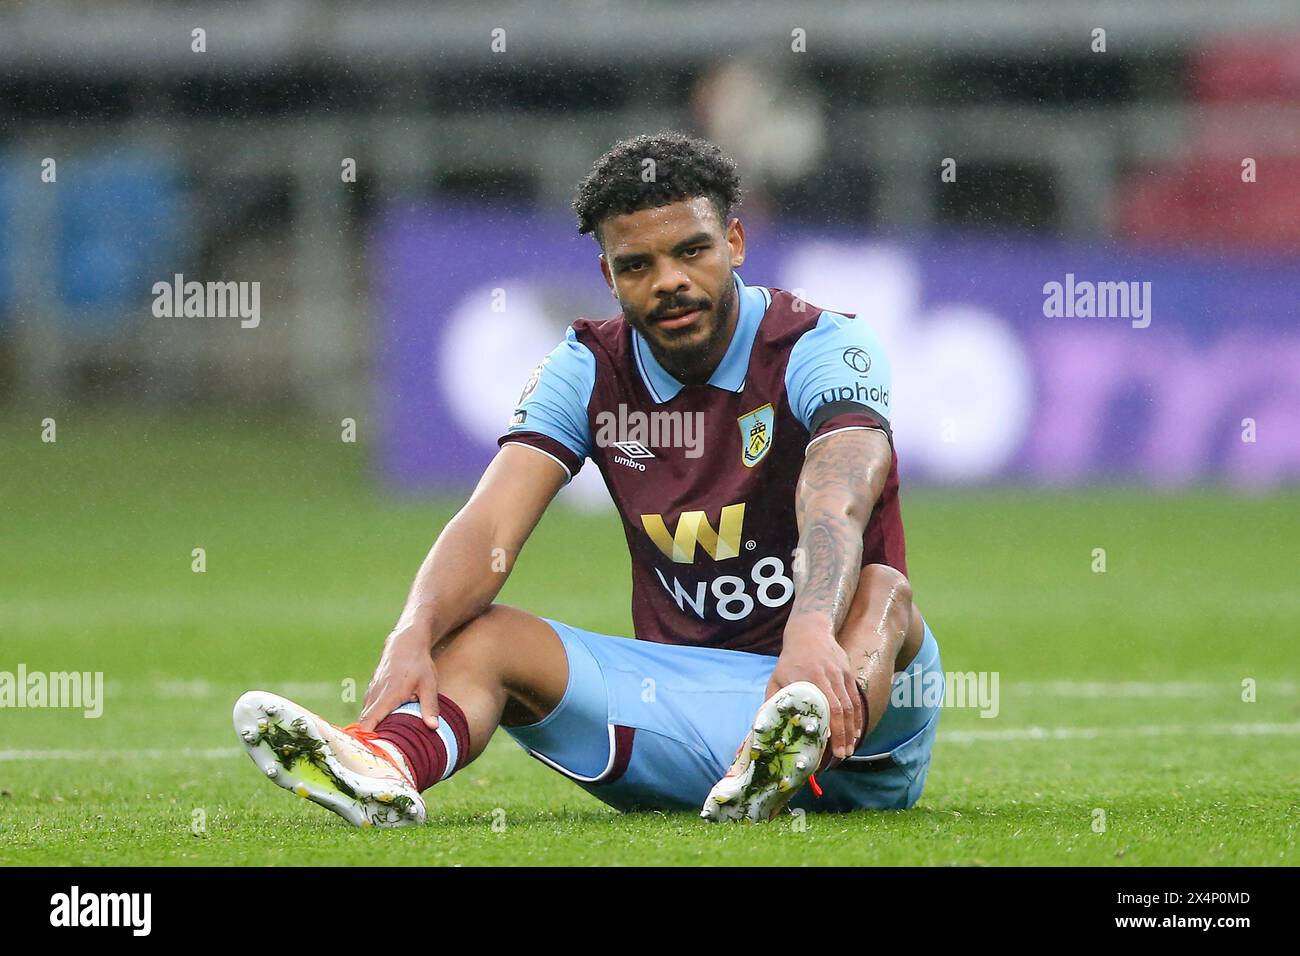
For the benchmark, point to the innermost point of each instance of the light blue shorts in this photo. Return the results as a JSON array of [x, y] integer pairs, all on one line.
[[646, 726]]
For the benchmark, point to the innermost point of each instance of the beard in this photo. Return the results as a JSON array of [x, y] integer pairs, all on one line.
[[689, 354]]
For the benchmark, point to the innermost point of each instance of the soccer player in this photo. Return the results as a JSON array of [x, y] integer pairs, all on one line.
[[744, 437]]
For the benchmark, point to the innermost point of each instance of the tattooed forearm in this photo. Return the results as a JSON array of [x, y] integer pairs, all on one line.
[[838, 487], [826, 572]]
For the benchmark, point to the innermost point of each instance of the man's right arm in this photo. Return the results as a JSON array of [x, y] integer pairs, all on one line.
[[544, 446], [462, 574]]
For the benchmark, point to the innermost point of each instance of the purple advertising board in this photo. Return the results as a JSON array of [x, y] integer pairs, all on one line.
[[1015, 359]]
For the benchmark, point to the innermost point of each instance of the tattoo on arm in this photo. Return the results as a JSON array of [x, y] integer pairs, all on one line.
[[838, 488]]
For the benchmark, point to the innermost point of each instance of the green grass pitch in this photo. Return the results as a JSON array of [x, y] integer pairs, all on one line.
[[1122, 736]]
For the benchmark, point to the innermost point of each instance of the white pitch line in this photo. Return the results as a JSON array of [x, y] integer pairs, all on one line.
[[157, 753], [1011, 734], [202, 689], [1131, 689], [1095, 733]]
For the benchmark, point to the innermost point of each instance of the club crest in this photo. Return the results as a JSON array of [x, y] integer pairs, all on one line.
[[756, 434]]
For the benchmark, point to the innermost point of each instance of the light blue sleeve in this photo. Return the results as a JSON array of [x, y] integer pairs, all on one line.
[[555, 398], [838, 360]]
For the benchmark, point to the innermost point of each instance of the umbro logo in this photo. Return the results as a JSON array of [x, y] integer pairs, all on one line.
[[634, 449], [632, 452]]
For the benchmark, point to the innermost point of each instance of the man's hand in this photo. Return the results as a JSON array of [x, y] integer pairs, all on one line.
[[810, 652], [405, 672]]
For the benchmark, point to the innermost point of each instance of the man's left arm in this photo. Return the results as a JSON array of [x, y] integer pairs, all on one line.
[[842, 477], [838, 385]]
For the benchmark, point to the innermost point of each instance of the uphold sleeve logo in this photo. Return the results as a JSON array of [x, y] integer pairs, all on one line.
[[858, 360]]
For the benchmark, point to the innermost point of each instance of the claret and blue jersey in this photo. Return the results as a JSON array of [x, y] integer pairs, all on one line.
[[704, 476]]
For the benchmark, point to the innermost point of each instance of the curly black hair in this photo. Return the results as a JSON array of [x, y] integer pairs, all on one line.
[[684, 167]]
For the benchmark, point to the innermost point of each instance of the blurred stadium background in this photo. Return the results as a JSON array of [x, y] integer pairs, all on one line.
[[380, 298], [226, 165]]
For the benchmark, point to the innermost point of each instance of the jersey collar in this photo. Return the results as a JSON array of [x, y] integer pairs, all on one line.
[[731, 371]]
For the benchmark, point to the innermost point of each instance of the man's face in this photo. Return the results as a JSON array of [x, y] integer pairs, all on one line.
[[670, 268]]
